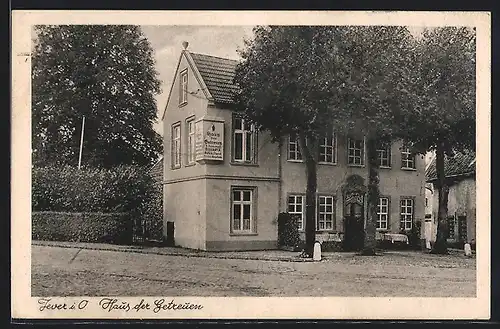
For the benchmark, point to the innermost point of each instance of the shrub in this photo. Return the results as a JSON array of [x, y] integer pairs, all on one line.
[[288, 231], [82, 227], [128, 189]]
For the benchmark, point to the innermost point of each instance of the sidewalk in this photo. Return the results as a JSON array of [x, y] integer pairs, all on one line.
[[267, 255]]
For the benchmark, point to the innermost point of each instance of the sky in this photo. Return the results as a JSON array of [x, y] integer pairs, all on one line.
[[222, 41]]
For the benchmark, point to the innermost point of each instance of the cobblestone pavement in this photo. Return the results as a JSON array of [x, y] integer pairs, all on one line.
[[58, 271]]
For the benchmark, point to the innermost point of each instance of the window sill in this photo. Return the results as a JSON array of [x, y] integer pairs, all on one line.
[[328, 163], [356, 165], [190, 164], [384, 167], [243, 234], [295, 161], [183, 104], [409, 169], [249, 164]]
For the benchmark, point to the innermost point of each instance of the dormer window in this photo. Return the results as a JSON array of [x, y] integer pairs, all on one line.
[[183, 87]]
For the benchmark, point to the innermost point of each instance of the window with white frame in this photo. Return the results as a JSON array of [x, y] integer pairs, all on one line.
[[190, 141], [384, 155], [383, 213], [296, 209], [242, 204], [407, 159], [407, 211], [327, 152], [326, 214], [293, 148], [355, 151], [176, 145], [183, 87], [244, 140]]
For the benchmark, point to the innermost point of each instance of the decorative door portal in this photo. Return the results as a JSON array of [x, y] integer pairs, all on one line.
[[354, 204]]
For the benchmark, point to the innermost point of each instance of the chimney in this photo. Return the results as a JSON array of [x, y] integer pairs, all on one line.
[[185, 44]]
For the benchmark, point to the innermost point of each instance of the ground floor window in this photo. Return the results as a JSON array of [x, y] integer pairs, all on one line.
[[326, 213], [383, 213], [242, 204], [296, 209], [407, 211]]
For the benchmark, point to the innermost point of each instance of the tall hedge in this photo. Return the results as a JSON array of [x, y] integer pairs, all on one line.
[[124, 189]]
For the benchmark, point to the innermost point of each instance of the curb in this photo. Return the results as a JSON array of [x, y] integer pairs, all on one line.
[[166, 253]]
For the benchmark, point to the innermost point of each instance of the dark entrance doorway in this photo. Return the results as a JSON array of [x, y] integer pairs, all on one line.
[[353, 221]]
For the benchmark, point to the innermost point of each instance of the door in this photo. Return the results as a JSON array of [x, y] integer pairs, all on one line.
[[354, 222]]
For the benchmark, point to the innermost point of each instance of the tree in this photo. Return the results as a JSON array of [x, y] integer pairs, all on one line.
[[444, 118], [310, 81], [105, 73], [377, 88]]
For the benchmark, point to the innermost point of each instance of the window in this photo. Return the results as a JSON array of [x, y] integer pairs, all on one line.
[[384, 155], [296, 209], [383, 213], [355, 151], [183, 87], [406, 213], [407, 159], [327, 152], [426, 202], [325, 213], [176, 145], [242, 210], [190, 141], [244, 141], [294, 149]]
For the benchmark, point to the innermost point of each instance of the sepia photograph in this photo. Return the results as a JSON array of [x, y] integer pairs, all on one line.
[[168, 165]]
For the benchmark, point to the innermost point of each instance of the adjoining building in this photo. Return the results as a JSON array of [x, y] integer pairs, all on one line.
[[460, 175], [225, 183]]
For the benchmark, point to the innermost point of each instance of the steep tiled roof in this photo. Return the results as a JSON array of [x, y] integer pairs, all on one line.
[[460, 164], [218, 74]]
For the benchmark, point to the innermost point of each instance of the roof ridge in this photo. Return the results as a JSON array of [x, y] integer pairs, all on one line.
[[224, 58]]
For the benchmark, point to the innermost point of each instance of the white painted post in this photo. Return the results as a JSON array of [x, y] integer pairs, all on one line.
[[467, 250], [317, 252]]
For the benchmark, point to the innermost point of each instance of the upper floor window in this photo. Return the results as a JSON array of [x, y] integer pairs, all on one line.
[[383, 213], [176, 145], [183, 87], [384, 155], [407, 159], [355, 152], [190, 141], [327, 149], [244, 140], [293, 148]]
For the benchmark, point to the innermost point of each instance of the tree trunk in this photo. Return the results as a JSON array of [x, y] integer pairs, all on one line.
[[311, 174], [440, 246], [370, 242]]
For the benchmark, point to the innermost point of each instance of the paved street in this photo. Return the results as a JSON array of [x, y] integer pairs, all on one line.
[[60, 271]]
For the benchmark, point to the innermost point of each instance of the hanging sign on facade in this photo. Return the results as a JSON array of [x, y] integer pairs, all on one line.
[[209, 140]]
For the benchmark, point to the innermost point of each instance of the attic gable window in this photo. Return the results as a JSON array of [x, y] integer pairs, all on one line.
[[183, 87]]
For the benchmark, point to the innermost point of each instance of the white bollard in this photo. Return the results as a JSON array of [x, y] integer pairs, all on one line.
[[467, 250], [428, 244], [317, 252]]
